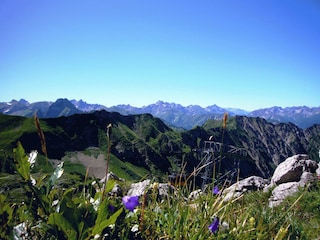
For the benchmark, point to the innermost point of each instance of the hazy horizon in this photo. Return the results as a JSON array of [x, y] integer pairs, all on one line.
[[225, 107]]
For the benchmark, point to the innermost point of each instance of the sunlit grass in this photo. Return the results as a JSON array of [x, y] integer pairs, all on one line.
[[74, 206]]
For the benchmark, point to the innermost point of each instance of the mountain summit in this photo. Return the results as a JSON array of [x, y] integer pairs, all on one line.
[[61, 107], [173, 114]]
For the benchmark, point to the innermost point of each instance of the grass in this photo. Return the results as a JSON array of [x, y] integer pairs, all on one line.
[[126, 170], [64, 208], [247, 217], [171, 216]]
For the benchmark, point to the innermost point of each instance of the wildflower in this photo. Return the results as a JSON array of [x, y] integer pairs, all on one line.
[[95, 203], [282, 233], [214, 226], [111, 208], [252, 221], [59, 170], [32, 158], [33, 181], [215, 190], [20, 231], [130, 202], [135, 228]]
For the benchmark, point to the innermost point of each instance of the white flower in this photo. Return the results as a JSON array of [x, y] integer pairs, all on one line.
[[97, 236], [135, 228], [33, 181], [32, 158], [20, 231], [95, 203], [59, 170]]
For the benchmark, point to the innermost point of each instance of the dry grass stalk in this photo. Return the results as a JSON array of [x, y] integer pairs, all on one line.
[[225, 118]]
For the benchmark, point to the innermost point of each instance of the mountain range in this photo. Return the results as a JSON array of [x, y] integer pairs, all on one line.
[[174, 115], [145, 142]]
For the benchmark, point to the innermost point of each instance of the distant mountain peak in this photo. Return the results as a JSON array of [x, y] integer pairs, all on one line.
[[23, 101], [173, 114]]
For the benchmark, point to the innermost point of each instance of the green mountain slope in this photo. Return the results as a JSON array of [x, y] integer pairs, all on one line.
[[144, 145], [138, 140]]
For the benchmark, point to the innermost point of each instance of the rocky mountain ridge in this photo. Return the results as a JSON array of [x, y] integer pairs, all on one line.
[[173, 114], [145, 141], [301, 116]]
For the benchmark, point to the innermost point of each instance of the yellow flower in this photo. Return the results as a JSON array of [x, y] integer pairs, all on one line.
[[252, 221]]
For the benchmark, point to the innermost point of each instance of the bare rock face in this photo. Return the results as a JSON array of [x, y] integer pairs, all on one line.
[[139, 188], [281, 192], [296, 171], [162, 190], [292, 168], [252, 183]]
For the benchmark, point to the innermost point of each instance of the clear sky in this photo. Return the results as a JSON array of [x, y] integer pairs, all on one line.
[[243, 54]]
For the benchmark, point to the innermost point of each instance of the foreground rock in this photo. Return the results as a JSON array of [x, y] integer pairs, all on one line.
[[252, 183], [296, 171], [162, 190], [292, 169]]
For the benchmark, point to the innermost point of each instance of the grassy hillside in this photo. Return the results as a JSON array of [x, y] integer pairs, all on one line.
[[62, 205], [145, 143], [140, 145]]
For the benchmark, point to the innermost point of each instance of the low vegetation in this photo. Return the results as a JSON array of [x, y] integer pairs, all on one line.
[[39, 200], [61, 205]]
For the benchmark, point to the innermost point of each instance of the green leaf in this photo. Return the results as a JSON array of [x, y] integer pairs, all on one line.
[[55, 176], [5, 211], [98, 228], [56, 219], [103, 211], [23, 166], [110, 185]]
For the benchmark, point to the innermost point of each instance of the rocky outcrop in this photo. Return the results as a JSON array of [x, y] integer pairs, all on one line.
[[139, 188], [159, 190], [292, 169], [252, 183], [296, 171]]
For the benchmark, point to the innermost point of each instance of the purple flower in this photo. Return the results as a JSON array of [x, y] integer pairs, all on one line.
[[215, 190], [111, 208], [214, 226], [130, 202]]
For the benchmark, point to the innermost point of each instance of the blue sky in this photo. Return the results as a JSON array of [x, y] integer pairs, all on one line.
[[242, 54]]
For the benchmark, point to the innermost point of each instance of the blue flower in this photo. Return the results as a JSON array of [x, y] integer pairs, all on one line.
[[215, 190], [111, 208], [214, 226], [130, 202]]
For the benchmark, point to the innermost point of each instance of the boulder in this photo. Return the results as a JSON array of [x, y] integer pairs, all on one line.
[[296, 171], [252, 183], [318, 171], [116, 191], [292, 168], [307, 178], [161, 190], [282, 191], [112, 176], [195, 194], [139, 188]]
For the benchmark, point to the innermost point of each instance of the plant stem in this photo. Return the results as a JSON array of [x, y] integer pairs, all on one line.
[[108, 159]]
